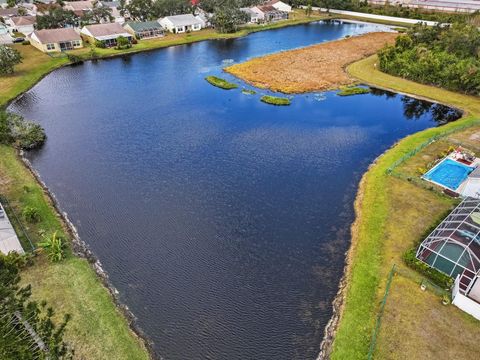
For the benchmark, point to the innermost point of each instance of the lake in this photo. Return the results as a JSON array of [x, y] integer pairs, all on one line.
[[222, 221]]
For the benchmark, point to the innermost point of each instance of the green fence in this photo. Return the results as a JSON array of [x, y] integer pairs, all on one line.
[[412, 275], [380, 313], [423, 145], [17, 225]]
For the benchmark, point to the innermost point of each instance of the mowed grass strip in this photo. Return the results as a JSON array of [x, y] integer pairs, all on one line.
[[378, 239], [313, 68], [97, 329]]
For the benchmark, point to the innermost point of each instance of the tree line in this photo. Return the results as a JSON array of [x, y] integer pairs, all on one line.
[[445, 56]]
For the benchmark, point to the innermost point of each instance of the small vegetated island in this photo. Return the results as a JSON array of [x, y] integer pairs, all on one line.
[[313, 68], [221, 83]]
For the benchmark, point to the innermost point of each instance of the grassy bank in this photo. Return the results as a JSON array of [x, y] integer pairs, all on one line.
[[392, 215], [274, 100], [97, 329]]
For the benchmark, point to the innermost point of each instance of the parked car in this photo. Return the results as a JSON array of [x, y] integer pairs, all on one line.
[[18, 40]]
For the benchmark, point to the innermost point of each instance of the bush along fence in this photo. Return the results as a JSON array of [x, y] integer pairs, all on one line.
[[17, 224]]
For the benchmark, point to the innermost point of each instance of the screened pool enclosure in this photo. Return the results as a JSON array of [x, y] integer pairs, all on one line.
[[454, 246]]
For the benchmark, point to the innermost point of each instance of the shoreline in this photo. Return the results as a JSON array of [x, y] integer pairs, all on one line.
[[81, 249], [327, 346], [111, 53]]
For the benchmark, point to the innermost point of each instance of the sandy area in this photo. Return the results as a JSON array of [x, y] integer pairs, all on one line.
[[314, 68]]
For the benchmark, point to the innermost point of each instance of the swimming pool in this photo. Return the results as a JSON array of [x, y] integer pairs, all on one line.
[[449, 173]]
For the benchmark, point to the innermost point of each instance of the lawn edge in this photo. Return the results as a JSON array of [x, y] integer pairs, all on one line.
[[347, 335]]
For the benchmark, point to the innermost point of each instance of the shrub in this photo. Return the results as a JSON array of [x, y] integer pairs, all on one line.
[[274, 100], [221, 83], [25, 42], [25, 134], [134, 41], [74, 59], [100, 44], [434, 275], [55, 246], [31, 214], [123, 43]]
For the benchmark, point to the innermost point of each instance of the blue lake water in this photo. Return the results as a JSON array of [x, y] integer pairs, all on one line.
[[222, 221]]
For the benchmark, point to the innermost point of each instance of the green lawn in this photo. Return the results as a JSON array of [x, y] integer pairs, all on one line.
[[97, 329], [392, 215]]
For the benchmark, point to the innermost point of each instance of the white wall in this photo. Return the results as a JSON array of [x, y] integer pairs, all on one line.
[[466, 304]]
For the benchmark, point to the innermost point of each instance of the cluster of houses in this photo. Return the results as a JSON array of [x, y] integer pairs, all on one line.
[[21, 19]]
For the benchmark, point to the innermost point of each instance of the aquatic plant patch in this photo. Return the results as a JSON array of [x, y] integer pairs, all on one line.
[[355, 90], [274, 100], [221, 83]]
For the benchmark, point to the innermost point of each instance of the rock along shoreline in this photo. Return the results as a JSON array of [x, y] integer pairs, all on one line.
[[82, 250]]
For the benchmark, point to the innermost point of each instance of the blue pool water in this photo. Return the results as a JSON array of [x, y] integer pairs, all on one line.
[[449, 173]]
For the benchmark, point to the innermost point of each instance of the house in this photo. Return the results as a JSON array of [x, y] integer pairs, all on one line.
[[279, 5], [21, 24], [50, 40], [145, 29], [3, 29], [181, 23], [253, 16], [9, 12], [113, 6], [105, 33], [453, 248], [79, 8], [268, 13]]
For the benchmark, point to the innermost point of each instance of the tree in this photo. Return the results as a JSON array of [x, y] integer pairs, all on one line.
[[140, 10], [9, 57], [308, 9], [27, 330], [57, 17], [15, 129], [98, 14], [228, 17]]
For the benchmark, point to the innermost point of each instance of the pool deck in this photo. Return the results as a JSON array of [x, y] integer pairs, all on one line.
[[453, 157], [8, 238]]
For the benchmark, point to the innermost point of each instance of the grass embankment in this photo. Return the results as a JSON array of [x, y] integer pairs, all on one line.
[[313, 68], [392, 215], [221, 83], [275, 100], [97, 329]]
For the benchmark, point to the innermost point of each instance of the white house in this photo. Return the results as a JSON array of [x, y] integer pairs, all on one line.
[[21, 24], [279, 5], [106, 33], [253, 16], [181, 23], [268, 13]]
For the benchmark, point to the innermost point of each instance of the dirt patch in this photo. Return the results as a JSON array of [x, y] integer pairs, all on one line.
[[314, 68]]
